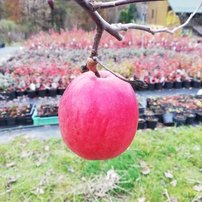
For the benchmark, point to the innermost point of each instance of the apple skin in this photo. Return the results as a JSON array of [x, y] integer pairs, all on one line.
[[98, 117]]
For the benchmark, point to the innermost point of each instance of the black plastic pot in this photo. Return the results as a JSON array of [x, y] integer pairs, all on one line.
[[199, 116], [177, 84], [168, 119], [52, 92], [152, 123], [62, 90], [186, 84], [158, 86], [141, 124], [42, 93], [151, 86], [180, 120], [20, 120], [12, 95], [10, 121], [196, 84], [20, 93], [168, 85], [190, 119], [28, 121], [3, 121], [31, 94]]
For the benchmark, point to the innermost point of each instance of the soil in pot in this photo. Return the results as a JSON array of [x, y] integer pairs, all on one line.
[[168, 119], [177, 84], [186, 84], [141, 124], [152, 123], [168, 85], [180, 120]]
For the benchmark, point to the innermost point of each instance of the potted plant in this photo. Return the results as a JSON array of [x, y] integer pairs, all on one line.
[[199, 116], [159, 114], [141, 123], [152, 122], [168, 82], [190, 118], [180, 119]]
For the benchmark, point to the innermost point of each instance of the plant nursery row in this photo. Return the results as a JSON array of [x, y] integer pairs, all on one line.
[[79, 39], [20, 112], [171, 110], [165, 111], [39, 80]]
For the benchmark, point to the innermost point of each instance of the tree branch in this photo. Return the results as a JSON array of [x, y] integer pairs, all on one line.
[[96, 42], [125, 27], [103, 5]]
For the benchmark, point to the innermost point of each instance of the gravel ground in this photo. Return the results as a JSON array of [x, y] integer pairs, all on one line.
[[41, 133], [7, 52]]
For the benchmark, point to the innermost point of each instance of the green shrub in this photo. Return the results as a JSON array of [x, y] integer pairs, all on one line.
[[9, 31]]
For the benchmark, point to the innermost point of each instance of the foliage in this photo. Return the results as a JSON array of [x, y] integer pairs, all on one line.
[[128, 14], [9, 31], [159, 164]]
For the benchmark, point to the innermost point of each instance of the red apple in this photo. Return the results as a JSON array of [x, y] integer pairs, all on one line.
[[98, 117]]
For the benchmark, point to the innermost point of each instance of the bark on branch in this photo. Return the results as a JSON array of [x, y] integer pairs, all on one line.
[[103, 5]]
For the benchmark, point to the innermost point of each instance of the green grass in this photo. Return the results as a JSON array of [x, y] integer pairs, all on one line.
[[32, 170]]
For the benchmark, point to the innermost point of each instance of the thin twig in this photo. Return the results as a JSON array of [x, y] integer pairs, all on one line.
[[136, 82], [125, 27], [103, 5]]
